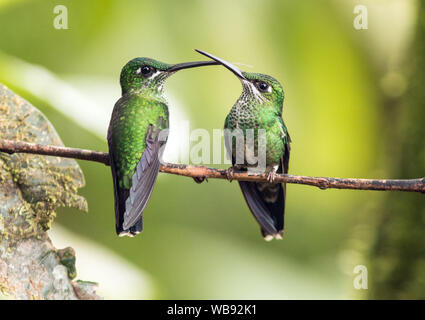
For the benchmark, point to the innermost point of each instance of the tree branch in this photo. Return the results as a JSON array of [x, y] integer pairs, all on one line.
[[410, 185]]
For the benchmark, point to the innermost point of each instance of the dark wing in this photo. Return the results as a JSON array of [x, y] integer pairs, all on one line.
[[285, 164], [228, 144], [285, 159], [143, 180]]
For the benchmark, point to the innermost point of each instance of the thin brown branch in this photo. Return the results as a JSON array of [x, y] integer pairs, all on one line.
[[411, 185], [10, 146]]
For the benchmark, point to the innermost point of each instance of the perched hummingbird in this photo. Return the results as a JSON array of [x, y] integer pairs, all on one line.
[[260, 107], [133, 137]]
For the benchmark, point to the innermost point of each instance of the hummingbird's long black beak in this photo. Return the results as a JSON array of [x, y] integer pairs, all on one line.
[[194, 64], [228, 65]]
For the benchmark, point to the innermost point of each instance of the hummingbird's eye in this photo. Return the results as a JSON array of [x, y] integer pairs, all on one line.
[[262, 86], [145, 70]]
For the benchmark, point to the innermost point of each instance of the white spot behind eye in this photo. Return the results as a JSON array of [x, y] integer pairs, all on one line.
[[269, 89], [138, 71]]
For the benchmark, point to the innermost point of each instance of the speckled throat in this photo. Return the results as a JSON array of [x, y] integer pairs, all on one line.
[[155, 87], [245, 112]]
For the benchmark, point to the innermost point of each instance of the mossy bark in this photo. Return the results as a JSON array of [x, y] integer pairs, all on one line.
[[31, 188]]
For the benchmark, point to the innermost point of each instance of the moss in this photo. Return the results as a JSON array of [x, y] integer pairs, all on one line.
[[67, 258], [31, 188], [3, 287]]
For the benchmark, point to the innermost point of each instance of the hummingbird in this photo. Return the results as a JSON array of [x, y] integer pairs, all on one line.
[[260, 107], [134, 138]]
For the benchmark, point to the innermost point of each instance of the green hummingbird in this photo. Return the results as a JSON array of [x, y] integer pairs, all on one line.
[[134, 137], [260, 107]]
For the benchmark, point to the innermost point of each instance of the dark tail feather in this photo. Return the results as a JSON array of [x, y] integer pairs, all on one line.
[[120, 200], [120, 196], [267, 204]]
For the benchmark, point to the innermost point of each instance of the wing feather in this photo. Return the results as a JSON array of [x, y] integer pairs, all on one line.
[[143, 179]]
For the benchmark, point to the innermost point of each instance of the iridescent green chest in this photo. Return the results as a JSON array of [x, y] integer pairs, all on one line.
[[246, 117]]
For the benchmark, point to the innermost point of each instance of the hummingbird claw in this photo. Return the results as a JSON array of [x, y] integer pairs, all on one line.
[[199, 180], [230, 173], [271, 176]]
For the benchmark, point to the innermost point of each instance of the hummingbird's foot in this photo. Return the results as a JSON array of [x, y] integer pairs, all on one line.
[[230, 173], [199, 180], [272, 174]]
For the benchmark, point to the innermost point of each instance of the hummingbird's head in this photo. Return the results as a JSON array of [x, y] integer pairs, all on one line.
[[255, 85], [262, 85], [149, 74]]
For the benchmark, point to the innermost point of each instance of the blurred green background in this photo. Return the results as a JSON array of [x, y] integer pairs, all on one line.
[[343, 91]]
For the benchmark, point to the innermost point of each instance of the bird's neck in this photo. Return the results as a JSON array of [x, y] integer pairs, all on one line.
[[149, 93]]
